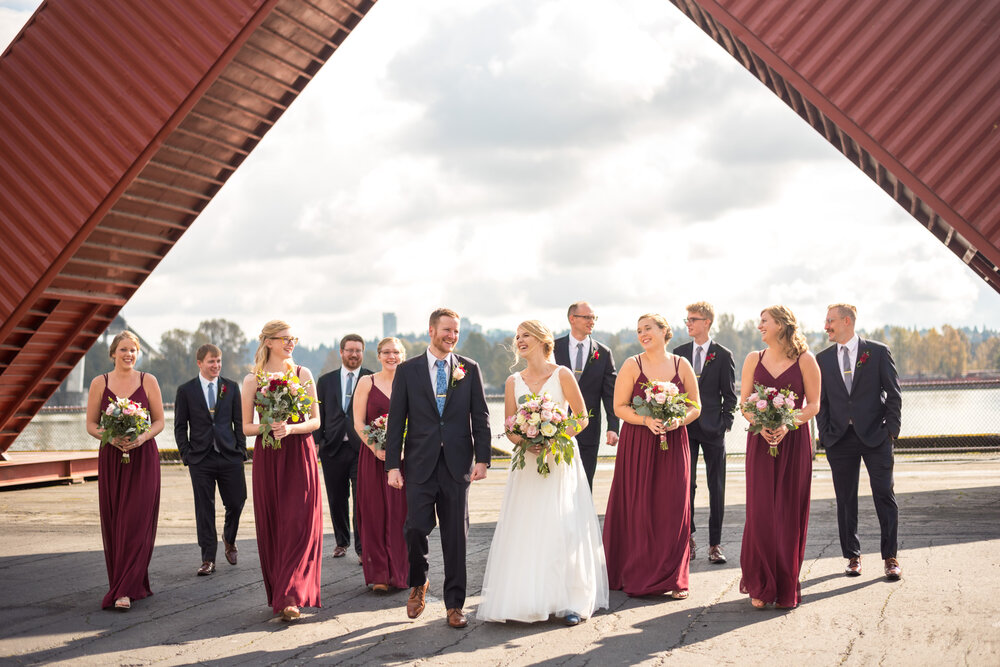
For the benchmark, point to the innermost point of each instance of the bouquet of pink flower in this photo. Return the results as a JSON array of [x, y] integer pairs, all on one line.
[[770, 408], [280, 397], [663, 400], [541, 421], [123, 419], [375, 432]]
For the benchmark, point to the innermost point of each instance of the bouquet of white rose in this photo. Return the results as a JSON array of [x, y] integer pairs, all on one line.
[[541, 421], [663, 400]]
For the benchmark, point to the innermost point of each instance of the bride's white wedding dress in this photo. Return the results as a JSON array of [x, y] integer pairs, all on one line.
[[547, 556]]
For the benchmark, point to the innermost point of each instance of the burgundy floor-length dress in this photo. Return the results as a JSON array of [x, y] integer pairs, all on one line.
[[648, 522], [774, 537], [382, 511], [129, 500], [287, 507]]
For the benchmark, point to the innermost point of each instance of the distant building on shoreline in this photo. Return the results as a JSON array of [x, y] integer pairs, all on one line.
[[389, 325]]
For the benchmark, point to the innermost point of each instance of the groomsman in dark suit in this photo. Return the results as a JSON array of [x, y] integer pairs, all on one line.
[[716, 372], [338, 442], [208, 429], [594, 368], [439, 402], [858, 420]]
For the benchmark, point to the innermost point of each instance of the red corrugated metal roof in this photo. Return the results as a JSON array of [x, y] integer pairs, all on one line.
[[908, 90], [119, 121]]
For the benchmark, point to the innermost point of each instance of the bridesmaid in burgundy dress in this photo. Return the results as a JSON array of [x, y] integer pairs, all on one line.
[[382, 508], [128, 493], [286, 487], [774, 537], [648, 520]]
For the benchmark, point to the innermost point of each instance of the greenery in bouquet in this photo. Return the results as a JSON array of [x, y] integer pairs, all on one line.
[[770, 408], [123, 418], [375, 432], [541, 421], [664, 401], [280, 397]]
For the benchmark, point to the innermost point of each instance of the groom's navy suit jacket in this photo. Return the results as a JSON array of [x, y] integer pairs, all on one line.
[[463, 429], [196, 429], [717, 391], [873, 404], [597, 384]]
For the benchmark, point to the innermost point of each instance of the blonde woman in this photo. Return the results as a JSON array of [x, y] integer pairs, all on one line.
[[648, 522], [546, 558], [382, 508], [774, 536], [286, 487], [128, 493]]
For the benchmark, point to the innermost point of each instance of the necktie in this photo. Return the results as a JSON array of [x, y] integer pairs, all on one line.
[[579, 359], [211, 396], [442, 385], [847, 369], [348, 390], [697, 360]]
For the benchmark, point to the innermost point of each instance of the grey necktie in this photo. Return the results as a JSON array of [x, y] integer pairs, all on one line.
[[211, 396], [579, 359], [847, 369], [697, 360], [348, 390]]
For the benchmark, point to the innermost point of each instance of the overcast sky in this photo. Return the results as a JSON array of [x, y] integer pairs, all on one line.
[[507, 157]]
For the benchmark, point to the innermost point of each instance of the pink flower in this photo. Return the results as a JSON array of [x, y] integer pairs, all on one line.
[[761, 405], [531, 431], [110, 410], [672, 389], [778, 401], [508, 423], [557, 417], [753, 398], [546, 415], [660, 398]]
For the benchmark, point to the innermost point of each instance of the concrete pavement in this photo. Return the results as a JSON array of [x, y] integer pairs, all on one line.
[[946, 609]]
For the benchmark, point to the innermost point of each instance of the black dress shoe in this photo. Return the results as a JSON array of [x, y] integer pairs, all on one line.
[[572, 619], [208, 567]]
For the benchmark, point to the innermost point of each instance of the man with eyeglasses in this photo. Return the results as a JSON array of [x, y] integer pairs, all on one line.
[[716, 372], [594, 368], [338, 443]]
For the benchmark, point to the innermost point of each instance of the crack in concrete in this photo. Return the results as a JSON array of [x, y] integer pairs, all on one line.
[[704, 610]]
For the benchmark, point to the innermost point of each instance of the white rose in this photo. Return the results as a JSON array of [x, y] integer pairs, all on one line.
[[548, 429], [534, 419]]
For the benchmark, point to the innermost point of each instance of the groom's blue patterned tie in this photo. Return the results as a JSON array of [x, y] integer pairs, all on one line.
[[442, 385]]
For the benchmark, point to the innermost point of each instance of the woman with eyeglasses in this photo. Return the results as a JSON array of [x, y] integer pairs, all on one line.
[[286, 487], [381, 508]]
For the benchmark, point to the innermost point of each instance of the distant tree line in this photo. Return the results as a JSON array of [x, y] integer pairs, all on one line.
[[948, 353]]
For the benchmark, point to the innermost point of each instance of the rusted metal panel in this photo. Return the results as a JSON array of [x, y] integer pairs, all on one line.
[[123, 119], [909, 90]]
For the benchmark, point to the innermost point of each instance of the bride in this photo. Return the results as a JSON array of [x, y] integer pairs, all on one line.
[[546, 557]]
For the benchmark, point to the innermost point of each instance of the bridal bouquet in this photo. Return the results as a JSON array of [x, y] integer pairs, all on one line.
[[375, 432], [541, 421], [123, 419], [280, 397], [663, 400], [771, 409]]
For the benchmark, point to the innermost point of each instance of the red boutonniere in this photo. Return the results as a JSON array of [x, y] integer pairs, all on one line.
[[709, 359], [222, 390], [458, 374], [863, 359], [596, 355]]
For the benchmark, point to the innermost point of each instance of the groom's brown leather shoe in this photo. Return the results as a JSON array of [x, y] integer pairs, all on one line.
[[853, 568], [415, 605], [208, 567], [892, 569], [456, 618], [231, 552]]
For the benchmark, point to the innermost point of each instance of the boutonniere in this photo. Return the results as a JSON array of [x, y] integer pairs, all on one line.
[[458, 374], [595, 356], [222, 390], [709, 359], [863, 359]]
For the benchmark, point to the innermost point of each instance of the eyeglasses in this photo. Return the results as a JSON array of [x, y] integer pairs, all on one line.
[[591, 318], [688, 320], [286, 339]]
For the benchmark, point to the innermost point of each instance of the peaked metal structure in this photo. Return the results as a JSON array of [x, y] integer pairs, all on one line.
[[120, 120]]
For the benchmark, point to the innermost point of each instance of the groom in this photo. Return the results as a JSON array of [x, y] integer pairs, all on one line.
[[439, 404], [859, 418]]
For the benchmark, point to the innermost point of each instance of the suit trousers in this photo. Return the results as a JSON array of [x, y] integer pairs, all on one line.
[[340, 474], [229, 474], [845, 458], [715, 471], [451, 500]]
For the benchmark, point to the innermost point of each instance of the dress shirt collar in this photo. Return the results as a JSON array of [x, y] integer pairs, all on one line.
[[851, 345]]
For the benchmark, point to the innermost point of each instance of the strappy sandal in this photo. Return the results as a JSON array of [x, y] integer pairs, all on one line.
[[679, 595], [123, 603], [290, 613], [757, 604]]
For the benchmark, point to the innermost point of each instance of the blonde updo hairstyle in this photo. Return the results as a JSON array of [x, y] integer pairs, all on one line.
[[392, 339], [661, 322], [263, 354], [790, 337], [117, 340], [539, 332]]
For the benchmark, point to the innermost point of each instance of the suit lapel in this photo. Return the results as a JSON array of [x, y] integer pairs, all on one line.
[[589, 357], [859, 364], [834, 369], [337, 391], [430, 390]]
